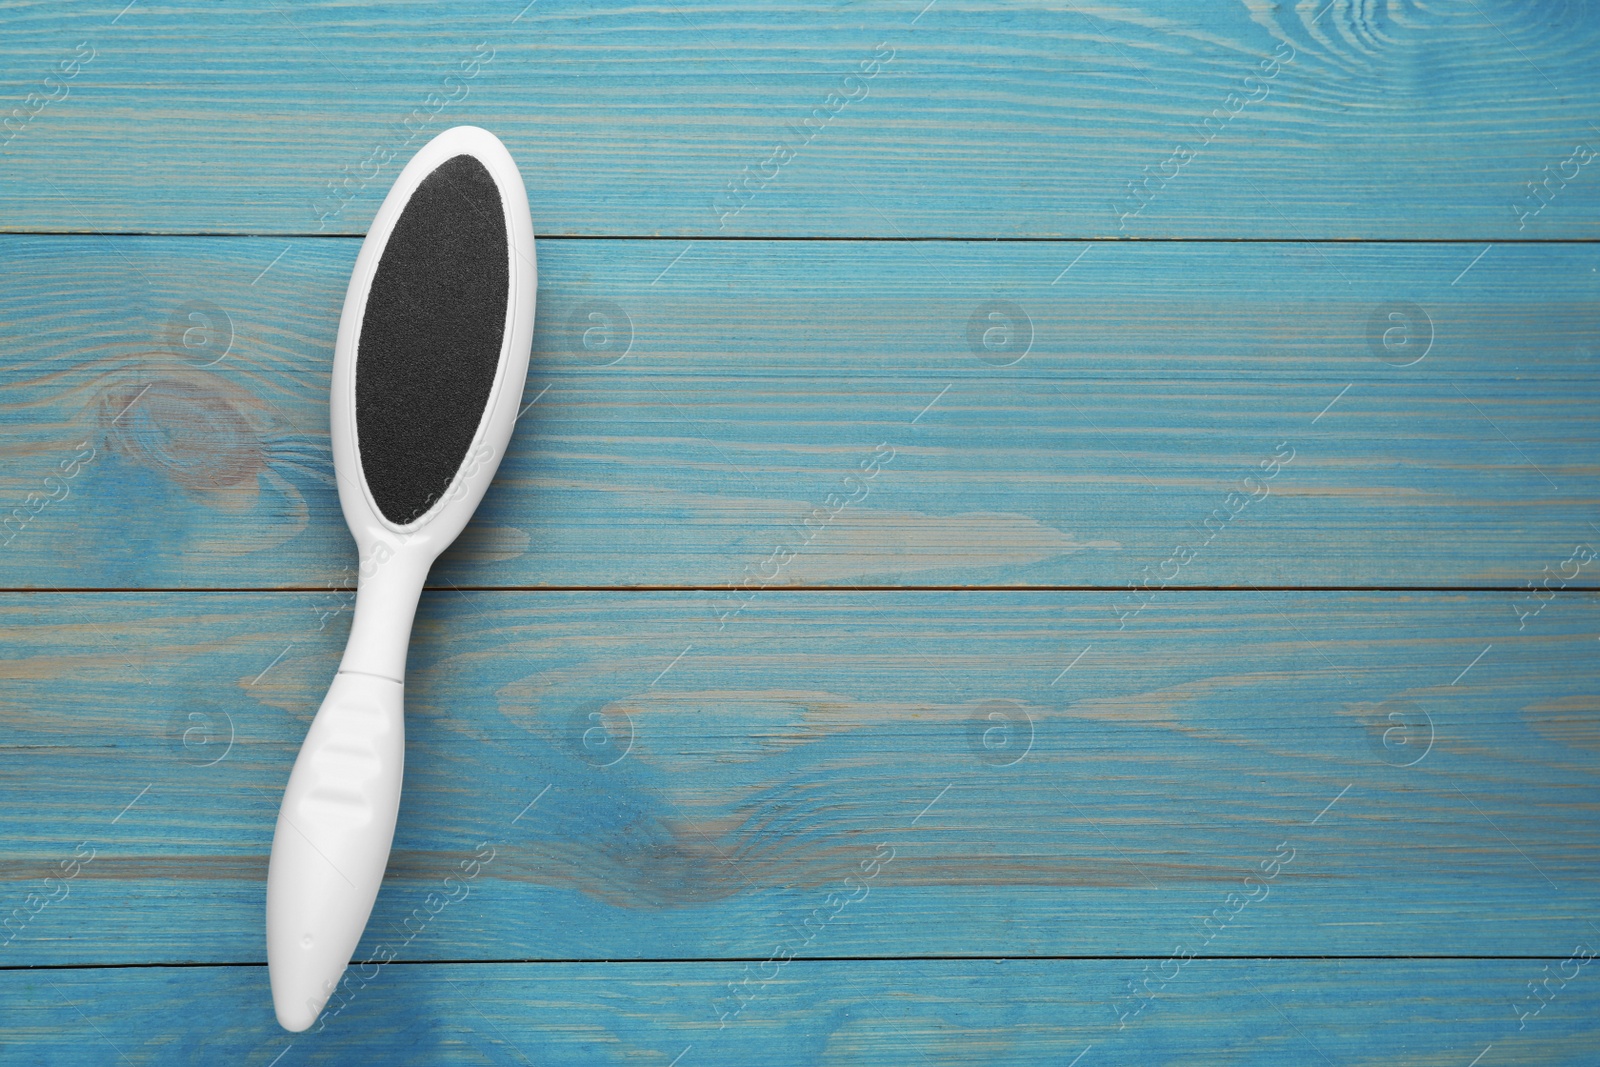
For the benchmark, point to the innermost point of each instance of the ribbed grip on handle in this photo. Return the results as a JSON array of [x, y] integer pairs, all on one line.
[[332, 841]]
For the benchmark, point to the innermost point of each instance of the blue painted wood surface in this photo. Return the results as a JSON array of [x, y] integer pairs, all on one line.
[[1047, 688], [699, 812], [1301, 121], [719, 404], [1014, 1012]]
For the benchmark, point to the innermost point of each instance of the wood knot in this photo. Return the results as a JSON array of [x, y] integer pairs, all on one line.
[[185, 428]]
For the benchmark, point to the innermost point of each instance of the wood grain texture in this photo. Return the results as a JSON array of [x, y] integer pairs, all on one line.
[[989, 119], [1416, 1013], [693, 414], [1014, 775], [1060, 278]]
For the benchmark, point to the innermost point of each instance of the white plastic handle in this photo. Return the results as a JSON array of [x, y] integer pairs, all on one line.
[[332, 841], [336, 824]]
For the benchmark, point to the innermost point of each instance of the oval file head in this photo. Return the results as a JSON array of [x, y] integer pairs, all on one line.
[[433, 344], [427, 378]]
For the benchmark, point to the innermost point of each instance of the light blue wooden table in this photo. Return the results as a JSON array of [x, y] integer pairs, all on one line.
[[1042, 533]]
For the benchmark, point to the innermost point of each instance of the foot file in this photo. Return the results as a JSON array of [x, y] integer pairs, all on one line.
[[428, 372]]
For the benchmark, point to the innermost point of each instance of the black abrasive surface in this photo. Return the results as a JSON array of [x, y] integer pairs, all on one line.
[[430, 338]]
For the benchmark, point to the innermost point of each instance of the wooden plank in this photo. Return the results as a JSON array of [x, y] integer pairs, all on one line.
[[729, 394], [1233, 1012], [984, 119], [1004, 774]]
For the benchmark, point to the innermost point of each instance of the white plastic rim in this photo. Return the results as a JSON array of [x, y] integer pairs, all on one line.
[[337, 819]]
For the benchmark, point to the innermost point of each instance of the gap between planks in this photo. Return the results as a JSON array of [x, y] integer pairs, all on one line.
[[791, 239], [655, 960], [1569, 591]]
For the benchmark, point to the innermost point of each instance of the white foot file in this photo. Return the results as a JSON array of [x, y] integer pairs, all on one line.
[[427, 379]]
